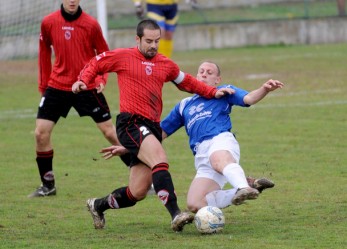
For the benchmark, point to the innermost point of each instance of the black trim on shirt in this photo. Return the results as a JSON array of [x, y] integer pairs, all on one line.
[[68, 17]]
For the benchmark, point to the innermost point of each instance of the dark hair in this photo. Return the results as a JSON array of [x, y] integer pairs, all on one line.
[[146, 24]]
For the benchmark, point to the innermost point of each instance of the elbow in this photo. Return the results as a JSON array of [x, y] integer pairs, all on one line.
[[247, 100]]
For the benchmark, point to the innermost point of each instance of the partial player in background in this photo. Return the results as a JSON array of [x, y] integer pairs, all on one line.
[[216, 150], [165, 13], [141, 74], [76, 37], [341, 7]]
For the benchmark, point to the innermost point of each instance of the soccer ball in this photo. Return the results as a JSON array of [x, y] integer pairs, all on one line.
[[209, 220]]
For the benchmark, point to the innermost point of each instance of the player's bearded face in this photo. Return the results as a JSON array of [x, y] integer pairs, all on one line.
[[148, 43]]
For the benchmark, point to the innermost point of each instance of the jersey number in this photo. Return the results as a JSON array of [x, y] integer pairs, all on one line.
[[144, 130]]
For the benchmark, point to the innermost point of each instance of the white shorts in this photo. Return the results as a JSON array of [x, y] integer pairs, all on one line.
[[223, 141]]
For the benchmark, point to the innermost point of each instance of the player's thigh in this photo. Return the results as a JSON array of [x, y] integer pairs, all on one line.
[[140, 180], [155, 12], [92, 104], [152, 152], [223, 150], [221, 158], [54, 104], [171, 18], [107, 127], [199, 188]]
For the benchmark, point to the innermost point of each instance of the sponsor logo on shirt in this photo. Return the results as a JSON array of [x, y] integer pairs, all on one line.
[[148, 63], [195, 109], [67, 29], [201, 115], [148, 68]]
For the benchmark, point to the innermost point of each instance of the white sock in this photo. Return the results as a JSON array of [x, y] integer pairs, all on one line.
[[220, 198], [235, 175]]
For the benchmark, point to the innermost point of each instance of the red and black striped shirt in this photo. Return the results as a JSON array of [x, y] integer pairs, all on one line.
[[140, 79], [74, 42]]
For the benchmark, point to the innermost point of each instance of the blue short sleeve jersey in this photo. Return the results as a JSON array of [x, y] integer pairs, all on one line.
[[203, 118]]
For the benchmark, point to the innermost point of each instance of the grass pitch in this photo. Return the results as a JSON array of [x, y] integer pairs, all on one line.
[[296, 136]]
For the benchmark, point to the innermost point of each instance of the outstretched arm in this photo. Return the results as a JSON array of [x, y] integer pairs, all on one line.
[[258, 94]]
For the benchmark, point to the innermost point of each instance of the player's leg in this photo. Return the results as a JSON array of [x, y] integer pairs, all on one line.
[[93, 104], [52, 106], [206, 188], [109, 131], [142, 137], [152, 153], [140, 180], [44, 158], [224, 155], [166, 45], [198, 191]]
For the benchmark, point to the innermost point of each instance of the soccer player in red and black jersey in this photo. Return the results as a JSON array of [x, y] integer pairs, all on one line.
[[76, 37], [142, 73]]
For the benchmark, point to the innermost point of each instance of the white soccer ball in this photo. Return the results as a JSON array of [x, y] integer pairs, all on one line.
[[209, 220]]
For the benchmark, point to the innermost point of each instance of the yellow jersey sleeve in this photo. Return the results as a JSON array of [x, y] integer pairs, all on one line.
[[159, 2]]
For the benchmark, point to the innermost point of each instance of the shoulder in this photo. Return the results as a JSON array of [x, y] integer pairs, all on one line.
[[226, 86], [124, 51], [51, 17], [183, 103], [86, 17], [167, 61], [120, 54], [89, 22], [167, 65], [237, 89]]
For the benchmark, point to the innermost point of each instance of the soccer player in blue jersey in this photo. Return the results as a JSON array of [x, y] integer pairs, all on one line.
[[217, 152]]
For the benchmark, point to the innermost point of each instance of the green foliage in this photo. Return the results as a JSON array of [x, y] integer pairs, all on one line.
[[296, 136]]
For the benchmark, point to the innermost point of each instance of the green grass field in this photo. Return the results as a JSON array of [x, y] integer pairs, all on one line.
[[296, 136]]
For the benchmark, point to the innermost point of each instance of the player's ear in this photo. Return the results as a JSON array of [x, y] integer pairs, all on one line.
[[137, 39], [218, 80]]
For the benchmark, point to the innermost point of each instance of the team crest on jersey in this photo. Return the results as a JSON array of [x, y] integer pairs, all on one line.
[[148, 70], [67, 35]]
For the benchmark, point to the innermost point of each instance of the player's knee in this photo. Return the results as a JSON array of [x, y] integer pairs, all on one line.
[[41, 136], [110, 135], [140, 193], [192, 207]]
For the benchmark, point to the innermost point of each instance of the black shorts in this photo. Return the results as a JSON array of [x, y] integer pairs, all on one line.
[[131, 131], [57, 103]]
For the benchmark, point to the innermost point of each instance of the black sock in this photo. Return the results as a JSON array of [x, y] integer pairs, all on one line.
[[44, 161], [164, 188], [120, 198]]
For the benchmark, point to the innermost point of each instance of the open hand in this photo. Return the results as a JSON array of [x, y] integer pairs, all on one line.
[[114, 150], [224, 91], [272, 85]]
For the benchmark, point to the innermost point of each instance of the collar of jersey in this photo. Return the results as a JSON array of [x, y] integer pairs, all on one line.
[[68, 17]]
